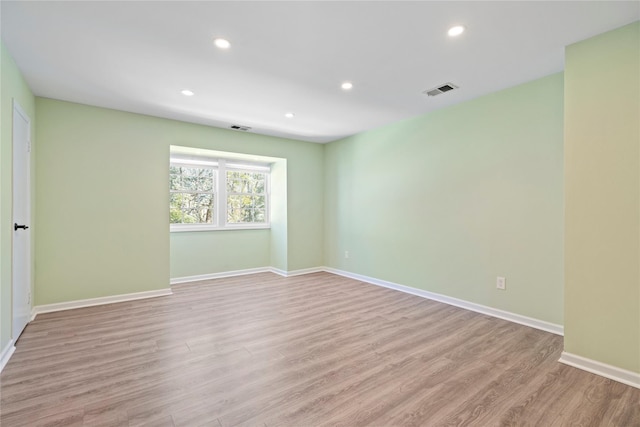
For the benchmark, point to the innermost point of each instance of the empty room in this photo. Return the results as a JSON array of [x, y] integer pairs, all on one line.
[[320, 213]]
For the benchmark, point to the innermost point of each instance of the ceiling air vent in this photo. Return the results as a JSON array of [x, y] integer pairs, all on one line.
[[239, 127], [441, 89]]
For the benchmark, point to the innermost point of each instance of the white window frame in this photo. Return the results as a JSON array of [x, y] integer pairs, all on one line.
[[221, 166]]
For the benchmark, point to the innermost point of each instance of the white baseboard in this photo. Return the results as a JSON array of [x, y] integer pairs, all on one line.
[[7, 351], [70, 305], [210, 276], [608, 371], [300, 272], [278, 271], [478, 308], [234, 273]]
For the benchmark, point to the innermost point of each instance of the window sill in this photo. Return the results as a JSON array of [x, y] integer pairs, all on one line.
[[177, 228]]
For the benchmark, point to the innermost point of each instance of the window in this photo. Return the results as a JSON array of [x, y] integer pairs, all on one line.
[[208, 194], [192, 194], [246, 197]]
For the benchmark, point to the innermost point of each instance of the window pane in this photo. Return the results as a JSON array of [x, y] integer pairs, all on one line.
[[189, 171], [203, 208], [236, 209], [190, 208], [191, 179], [236, 182], [175, 181], [206, 183], [245, 182], [243, 209], [234, 185], [188, 183], [258, 182], [175, 209]]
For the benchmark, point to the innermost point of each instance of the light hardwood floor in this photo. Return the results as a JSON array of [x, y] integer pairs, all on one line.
[[313, 350]]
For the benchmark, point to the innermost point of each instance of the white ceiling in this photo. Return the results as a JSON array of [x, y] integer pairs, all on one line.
[[292, 56]]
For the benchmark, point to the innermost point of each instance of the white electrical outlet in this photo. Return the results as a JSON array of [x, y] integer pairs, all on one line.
[[501, 283], [346, 254]]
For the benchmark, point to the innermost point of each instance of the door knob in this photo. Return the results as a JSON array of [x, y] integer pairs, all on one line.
[[16, 226]]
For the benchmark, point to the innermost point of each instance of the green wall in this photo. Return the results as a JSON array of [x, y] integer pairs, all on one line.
[[103, 224], [279, 216], [205, 252], [12, 86], [602, 204], [448, 201]]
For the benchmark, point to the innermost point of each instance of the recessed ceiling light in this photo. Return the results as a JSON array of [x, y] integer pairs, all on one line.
[[289, 115], [186, 92], [456, 31], [222, 43], [346, 85]]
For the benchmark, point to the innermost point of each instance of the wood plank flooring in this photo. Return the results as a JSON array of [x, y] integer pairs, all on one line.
[[313, 350]]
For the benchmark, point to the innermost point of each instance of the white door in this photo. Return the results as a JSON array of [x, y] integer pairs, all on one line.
[[21, 221]]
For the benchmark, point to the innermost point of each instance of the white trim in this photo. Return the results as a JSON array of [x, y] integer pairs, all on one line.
[[70, 305], [608, 371], [478, 308], [253, 167], [179, 228], [221, 275], [279, 272], [189, 163], [7, 352], [210, 276], [24, 115], [301, 272]]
